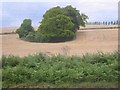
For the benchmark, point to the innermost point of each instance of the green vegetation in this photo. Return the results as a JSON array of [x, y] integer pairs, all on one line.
[[58, 25], [77, 18], [40, 70], [25, 28], [57, 29]]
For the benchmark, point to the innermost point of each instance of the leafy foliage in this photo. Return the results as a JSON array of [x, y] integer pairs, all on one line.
[[58, 28], [10, 61], [25, 28], [74, 15], [53, 12], [58, 25], [62, 70]]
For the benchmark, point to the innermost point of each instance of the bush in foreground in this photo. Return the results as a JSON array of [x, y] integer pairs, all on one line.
[[61, 71]]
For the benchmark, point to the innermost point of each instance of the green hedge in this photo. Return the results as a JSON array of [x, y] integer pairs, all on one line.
[[61, 71]]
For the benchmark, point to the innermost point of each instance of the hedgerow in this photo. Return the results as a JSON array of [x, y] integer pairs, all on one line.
[[61, 71]]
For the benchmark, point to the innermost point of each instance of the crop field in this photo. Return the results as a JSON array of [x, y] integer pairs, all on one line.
[[91, 41]]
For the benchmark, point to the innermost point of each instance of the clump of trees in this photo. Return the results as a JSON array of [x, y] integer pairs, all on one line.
[[25, 28], [58, 25]]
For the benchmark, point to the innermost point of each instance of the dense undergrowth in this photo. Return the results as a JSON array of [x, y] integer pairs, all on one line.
[[39, 70]]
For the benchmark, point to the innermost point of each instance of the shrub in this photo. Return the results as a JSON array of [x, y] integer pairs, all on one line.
[[11, 61], [30, 36], [25, 28], [39, 37], [16, 75]]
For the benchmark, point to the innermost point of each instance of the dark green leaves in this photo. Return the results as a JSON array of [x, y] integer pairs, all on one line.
[[25, 28]]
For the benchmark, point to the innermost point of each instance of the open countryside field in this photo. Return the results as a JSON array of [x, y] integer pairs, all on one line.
[[60, 45], [91, 41]]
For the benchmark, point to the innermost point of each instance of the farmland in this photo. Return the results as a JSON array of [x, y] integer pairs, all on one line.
[[91, 41], [91, 60]]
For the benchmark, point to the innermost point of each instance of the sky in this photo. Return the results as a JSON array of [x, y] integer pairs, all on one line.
[[13, 12]]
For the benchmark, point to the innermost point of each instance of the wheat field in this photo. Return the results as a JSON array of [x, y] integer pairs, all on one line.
[[87, 41]]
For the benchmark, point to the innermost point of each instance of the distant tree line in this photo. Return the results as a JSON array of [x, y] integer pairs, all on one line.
[[105, 22]]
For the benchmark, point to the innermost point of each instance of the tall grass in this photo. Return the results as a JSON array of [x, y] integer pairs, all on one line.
[[40, 70]]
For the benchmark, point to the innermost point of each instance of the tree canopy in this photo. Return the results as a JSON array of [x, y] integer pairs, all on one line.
[[57, 28], [58, 24]]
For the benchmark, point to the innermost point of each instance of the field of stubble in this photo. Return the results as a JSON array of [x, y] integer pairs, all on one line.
[[91, 41]]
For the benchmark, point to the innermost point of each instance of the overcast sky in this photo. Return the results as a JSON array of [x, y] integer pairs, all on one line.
[[14, 11]]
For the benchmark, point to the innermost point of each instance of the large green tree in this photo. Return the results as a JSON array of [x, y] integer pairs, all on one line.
[[58, 28], [76, 18], [60, 24]]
